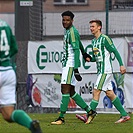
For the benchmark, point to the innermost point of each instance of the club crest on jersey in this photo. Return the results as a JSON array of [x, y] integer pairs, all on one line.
[[95, 50]]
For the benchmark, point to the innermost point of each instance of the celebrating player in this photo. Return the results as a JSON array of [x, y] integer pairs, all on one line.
[[8, 48], [70, 62], [102, 47]]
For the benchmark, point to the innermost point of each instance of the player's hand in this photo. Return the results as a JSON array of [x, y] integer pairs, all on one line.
[[87, 57], [122, 69], [77, 75]]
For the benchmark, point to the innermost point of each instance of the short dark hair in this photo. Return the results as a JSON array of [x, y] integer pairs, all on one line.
[[97, 22], [68, 13]]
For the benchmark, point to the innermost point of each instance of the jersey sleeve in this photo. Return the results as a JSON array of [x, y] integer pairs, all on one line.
[[112, 49], [75, 42], [93, 59], [13, 45], [81, 47]]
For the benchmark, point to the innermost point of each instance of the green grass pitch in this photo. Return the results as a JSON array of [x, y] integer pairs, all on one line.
[[103, 123]]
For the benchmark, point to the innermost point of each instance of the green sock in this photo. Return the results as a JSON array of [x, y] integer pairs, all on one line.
[[64, 104], [93, 104], [80, 102], [116, 102], [22, 118]]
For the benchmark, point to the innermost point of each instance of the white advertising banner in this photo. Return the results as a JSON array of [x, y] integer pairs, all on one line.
[[44, 75], [45, 57], [44, 90], [128, 87]]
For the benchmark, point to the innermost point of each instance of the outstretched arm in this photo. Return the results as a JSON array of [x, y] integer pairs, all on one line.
[[112, 49], [86, 56]]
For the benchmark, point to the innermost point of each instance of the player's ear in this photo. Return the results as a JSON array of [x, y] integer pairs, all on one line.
[[99, 27]]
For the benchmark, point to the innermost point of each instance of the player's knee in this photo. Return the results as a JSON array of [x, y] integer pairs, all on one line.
[[72, 93], [96, 92], [7, 118], [65, 89], [110, 94]]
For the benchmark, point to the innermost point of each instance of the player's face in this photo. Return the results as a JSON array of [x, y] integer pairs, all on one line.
[[67, 22], [95, 28]]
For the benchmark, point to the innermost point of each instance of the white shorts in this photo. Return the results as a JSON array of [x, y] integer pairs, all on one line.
[[7, 87], [68, 76], [103, 82]]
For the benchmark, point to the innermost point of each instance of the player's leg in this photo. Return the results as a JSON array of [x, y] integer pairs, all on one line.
[[80, 102], [8, 100], [94, 102], [116, 102], [91, 113], [97, 91], [65, 89], [21, 118], [66, 81], [93, 105], [18, 116], [78, 99]]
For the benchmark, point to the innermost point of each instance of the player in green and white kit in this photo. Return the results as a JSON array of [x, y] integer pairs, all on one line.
[[102, 47], [8, 48], [70, 63]]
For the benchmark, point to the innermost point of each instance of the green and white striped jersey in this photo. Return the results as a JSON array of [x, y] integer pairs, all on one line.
[[8, 46], [102, 49], [71, 48]]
